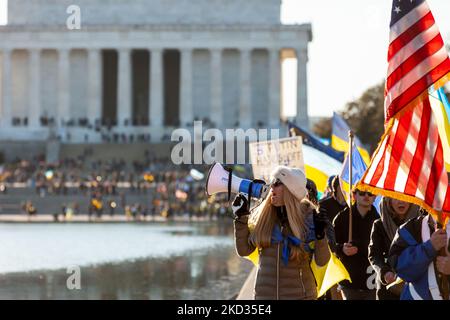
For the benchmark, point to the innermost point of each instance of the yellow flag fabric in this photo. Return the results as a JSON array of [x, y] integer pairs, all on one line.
[[342, 145], [326, 276], [441, 111], [254, 257], [330, 274], [339, 138]]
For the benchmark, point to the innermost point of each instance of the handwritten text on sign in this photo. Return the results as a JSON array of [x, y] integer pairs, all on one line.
[[265, 156]]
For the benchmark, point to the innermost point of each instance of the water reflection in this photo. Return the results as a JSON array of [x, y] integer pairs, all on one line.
[[213, 273]]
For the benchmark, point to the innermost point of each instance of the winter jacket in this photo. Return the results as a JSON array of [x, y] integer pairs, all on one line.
[[330, 207], [358, 264], [274, 279], [378, 254], [413, 258]]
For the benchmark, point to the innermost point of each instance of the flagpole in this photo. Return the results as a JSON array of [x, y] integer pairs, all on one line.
[[350, 181]]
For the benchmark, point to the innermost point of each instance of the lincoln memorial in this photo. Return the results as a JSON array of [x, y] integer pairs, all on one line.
[[145, 67]]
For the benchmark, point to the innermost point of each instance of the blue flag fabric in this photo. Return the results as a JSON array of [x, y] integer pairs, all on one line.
[[310, 140], [358, 169]]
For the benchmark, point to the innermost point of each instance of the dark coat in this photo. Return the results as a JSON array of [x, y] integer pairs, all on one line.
[[358, 264], [378, 254], [330, 207]]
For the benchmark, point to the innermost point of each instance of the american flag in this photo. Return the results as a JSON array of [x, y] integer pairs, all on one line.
[[409, 162], [417, 56]]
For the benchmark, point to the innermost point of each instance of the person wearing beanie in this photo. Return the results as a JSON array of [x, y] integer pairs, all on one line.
[[286, 230]]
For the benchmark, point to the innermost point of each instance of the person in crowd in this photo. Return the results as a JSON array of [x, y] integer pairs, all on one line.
[[329, 189], [282, 229], [31, 210], [312, 194], [393, 214], [330, 207], [335, 202], [420, 256], [112, 207], [128, 214], [354, 252], [63, 210]]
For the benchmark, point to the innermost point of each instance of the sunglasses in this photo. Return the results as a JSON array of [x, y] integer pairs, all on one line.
[[276, 183], [361, 193]]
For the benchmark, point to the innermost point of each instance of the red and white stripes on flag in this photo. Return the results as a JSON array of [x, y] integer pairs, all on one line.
[[409, 161], [417, 58]]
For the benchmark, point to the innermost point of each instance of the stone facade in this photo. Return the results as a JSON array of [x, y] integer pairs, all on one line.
[[145, 66], [145, 12]]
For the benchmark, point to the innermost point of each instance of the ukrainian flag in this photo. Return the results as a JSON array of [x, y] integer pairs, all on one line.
[[358, 169], [319, 166], [321, 161], [441, 111], [339, 138]]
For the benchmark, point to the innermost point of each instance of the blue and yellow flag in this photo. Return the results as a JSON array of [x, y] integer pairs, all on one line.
[[339, 138], [319, 166], [441, 111], [358, 170]]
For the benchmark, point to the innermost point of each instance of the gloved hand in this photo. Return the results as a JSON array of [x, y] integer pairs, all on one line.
[[240, 205], [320, 224]]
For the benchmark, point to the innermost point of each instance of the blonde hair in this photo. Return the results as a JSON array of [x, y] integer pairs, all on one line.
[[263, 219]]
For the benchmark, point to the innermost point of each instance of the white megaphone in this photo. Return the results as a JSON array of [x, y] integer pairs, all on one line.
[[218, 181]]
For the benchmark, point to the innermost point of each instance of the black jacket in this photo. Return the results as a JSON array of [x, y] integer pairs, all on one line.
[[378, 254], [330, 207], [358, 264]]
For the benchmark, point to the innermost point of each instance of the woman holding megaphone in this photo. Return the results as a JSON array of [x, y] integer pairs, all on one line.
[[287, 230]]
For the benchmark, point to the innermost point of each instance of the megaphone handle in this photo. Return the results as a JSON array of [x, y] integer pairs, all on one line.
[[250, 193], [230, 176]]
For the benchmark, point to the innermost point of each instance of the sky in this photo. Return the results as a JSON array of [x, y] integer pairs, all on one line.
[[349, 48], [3, 12], [348, 51]]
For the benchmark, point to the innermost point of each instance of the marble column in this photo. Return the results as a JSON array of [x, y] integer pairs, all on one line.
[[6, 118], [245, 117], [274, 88], [186, 110], [216, 88], [302, 88], [95, 85], [156, 88], [34, 104], [124, 88], [63, 85]]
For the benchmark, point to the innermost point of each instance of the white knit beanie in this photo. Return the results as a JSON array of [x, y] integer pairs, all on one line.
[[294, 179]]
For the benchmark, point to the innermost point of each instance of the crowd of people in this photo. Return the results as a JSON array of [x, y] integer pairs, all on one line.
[[398, 253], [112, 187]]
